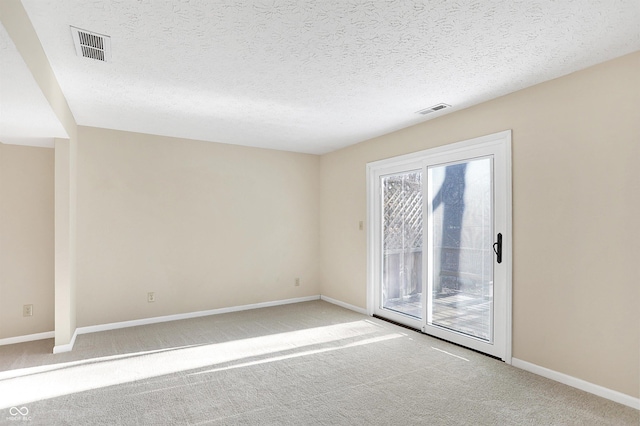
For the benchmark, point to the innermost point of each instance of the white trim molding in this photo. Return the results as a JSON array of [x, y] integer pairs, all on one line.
[[197, 314], [344, 305], [27, 338], [58, 349], [574, 382], [144, 321]]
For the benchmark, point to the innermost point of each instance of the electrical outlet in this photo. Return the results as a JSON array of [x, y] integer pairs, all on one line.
[[27, 310], [297, 282], [151, 297], [361, 225]]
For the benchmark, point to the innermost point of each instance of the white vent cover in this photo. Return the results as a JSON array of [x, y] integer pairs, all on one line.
[[91, 45], [434, 108]]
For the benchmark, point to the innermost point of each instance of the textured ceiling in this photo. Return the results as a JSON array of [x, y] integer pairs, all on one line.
[[314, 76], [26, 118]]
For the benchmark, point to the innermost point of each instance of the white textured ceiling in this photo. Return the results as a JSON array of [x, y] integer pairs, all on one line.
[[313, 76], [26, 118]]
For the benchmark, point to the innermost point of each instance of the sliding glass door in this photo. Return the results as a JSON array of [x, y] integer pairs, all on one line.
[[439, 235]]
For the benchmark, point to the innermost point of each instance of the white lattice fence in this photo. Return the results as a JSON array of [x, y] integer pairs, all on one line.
[[402, 235]]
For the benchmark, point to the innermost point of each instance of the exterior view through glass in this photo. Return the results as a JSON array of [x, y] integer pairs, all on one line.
[[402, 243], [460, 243]]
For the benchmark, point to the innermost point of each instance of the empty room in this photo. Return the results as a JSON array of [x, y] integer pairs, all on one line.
[[335, 212]]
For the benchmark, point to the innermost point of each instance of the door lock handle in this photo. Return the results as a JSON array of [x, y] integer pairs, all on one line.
[[497, 248]]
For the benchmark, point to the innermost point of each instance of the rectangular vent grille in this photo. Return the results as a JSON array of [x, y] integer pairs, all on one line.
[[432, 109], [91, 45]]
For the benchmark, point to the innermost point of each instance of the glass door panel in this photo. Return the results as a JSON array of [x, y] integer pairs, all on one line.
[[402, 243], [460, 248]]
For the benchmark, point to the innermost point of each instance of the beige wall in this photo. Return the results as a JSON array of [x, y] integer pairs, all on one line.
[[26, 239], [202, 225], [16, 21], [576, 204]]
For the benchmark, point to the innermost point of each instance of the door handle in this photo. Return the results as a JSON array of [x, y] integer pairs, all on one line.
[[497, 248]]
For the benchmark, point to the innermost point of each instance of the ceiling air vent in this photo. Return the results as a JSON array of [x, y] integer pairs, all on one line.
[[91, 45], [434, 108]]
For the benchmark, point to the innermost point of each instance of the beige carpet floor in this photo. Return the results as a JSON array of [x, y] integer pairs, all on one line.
[[304, 364]]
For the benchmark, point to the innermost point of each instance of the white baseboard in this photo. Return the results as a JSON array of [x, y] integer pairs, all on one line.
[[601, 391], [176, 317], [58, 349], [344, 305], [27, 338], [133, 323]]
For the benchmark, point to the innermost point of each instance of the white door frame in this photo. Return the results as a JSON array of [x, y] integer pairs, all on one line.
[[500, 145]]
